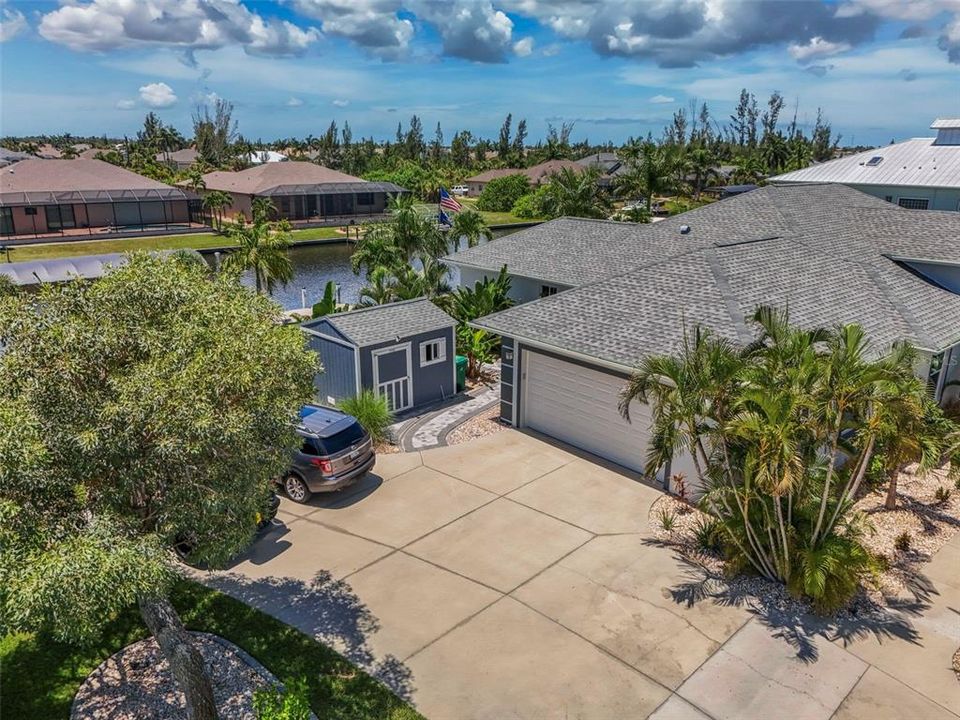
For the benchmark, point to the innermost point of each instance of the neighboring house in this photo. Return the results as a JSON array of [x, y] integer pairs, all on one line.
[[605, 162], [178, 159], [919, 174], [303, 191], [828, 253], [9, 157], [259, 157], [404, 351], [81, 197], [537, 175]]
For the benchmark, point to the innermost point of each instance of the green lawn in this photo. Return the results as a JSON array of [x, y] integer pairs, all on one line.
[[492, 218], [197, 241], [41, 676]]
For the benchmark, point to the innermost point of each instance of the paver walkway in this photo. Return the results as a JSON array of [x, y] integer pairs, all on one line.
[[510, 578], [430, 430]]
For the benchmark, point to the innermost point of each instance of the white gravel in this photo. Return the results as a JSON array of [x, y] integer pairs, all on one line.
[[136, 684], [486, 423]]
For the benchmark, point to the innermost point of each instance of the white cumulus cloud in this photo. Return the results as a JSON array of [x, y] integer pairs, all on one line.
[[157, 95], [103, 25], [12, 23], [524, 47], [372, 24], [815, 49]]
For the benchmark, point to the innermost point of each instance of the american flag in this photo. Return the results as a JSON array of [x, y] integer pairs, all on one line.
[[449, 202]]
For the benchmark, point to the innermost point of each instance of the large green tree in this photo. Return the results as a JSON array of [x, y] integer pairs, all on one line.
[[573, 193], [469, 225], [150, 406], [263, 249]]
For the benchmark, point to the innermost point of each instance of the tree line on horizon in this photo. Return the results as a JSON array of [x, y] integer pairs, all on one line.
[[752, 138]]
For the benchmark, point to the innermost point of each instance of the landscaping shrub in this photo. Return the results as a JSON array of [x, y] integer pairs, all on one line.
[[709, 534], [531, 205], [272, 704], [667, 518], [902, 541], [500, 194], [371, 411], [942, 495]]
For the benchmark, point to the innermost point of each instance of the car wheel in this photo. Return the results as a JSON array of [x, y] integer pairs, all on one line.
[[296, 489]]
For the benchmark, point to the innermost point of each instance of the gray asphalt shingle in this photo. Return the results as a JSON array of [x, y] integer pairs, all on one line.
[[824, 252], [382, 323]]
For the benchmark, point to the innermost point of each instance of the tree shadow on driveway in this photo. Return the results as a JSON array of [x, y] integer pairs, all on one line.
[[793, 620], [324, 608]]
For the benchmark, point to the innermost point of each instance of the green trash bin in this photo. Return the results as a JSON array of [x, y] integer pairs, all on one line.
[[461, 373]]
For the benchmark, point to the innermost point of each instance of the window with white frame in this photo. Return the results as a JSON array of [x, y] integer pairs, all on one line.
[[914, 203], [547, 290], [433, 351]]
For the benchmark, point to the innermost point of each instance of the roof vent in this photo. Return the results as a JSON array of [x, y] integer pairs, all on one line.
[[684, 229]]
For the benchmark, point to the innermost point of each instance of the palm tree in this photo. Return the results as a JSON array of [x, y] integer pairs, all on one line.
[[469, 225], [214, 202], [195, 181], [648, 173], [263, 208], [774, 152], [575, 194], [379, 289], [750, 169], [263, 249], [702, 167]]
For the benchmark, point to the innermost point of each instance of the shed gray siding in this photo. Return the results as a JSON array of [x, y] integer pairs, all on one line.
[[430, 383], [339, 377]]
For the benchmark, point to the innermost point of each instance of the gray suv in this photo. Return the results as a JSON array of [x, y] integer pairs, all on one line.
[[336, 451]]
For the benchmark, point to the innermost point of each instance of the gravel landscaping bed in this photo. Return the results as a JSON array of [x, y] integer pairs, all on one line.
[[136, 684], [929, 523], [486, 423]]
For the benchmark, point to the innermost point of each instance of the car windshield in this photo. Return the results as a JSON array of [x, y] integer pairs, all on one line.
[[341, 440]]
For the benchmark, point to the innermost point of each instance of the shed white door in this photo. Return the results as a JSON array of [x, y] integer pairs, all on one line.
[[578, 405]]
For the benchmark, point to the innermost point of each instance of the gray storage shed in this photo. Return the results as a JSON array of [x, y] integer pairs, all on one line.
[[404, 351]]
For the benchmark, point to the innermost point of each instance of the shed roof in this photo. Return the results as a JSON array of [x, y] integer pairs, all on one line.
[[382, 323], [920, 162], [829, 254]]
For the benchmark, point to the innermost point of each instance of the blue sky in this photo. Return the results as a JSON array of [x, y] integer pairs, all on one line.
[[881, 69]]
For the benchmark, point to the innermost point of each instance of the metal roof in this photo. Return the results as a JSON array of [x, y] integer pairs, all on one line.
[[46, 197], [940, 123], [921, 162]]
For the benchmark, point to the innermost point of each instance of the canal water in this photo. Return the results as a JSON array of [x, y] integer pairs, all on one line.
[[315, 265]]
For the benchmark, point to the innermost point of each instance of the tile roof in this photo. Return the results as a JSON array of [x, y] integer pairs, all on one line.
[[920, 162], [382, 323], [37, 175], [827, 253], [535, 173], [267, 176]]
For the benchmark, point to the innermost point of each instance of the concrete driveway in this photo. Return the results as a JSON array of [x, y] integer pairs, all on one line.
[[511, 578]]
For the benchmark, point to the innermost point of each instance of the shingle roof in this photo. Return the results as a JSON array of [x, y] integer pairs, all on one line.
[[920, 162], [381, 323], [827, 253]]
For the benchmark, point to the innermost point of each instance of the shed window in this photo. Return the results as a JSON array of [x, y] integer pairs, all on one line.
[[547, 290], [433, 351], [933, 379], [914, 203]]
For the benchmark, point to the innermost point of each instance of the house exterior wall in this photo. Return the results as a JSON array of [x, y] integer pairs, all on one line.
[[430, 383], [101, 215], [338, 380], [522, 289], [940, 198]]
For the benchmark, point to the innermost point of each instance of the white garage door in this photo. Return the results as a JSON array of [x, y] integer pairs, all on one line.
[[578, 405]]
